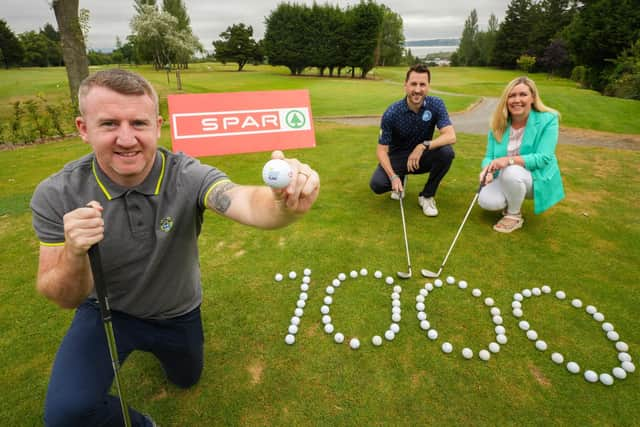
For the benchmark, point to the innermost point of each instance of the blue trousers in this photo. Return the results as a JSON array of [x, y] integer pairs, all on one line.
[[435, 162], [82, 374]]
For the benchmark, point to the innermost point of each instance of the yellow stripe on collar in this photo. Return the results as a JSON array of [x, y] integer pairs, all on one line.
[[100, 184]]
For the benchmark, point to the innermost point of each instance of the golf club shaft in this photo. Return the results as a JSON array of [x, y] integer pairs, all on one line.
[[404, 230], [95, 260]]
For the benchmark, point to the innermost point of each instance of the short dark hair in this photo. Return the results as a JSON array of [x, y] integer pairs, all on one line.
[[418, 68], [118, 80]]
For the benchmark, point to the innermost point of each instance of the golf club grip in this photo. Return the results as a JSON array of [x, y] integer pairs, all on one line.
[[98, 281]]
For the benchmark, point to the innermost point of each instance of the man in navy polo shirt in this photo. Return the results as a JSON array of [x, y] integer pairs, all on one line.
[[406, 144], [145, 206]]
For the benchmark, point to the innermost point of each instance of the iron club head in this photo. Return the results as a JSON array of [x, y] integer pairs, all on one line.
[[404, 275], [429, 273]]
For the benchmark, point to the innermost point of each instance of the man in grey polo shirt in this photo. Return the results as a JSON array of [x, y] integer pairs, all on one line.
[[145, 206]]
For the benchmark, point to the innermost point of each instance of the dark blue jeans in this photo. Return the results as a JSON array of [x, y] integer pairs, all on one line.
[[82, 373], [435, 162]]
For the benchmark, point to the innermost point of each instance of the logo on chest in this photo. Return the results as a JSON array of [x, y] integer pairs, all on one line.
[[166, 224]]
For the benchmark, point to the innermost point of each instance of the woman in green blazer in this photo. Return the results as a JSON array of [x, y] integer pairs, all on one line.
[[520, 161]]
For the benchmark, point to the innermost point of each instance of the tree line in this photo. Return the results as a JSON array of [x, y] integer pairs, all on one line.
[[595, 42]]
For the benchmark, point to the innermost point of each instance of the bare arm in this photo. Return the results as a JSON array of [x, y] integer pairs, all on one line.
[[264, 207], [447, 137], [382, 152], [64, 274]]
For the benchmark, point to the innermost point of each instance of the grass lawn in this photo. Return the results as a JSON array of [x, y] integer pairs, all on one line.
[[587, 246]]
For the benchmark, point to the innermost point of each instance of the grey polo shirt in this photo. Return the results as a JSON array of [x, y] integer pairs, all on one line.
[[149, 251]]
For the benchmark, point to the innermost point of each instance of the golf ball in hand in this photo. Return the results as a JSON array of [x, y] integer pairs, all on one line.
[[277, 173]]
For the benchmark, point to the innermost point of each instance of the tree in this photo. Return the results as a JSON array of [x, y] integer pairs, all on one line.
[[74, 51], [468, 50], [285, 42], [624, 81], [391, 43], [36, 47], [486, 42], [10, 46], [158, 40], [237, 45], [178, 9], [599, 33], [512, 39], [556, 58], [54, 50], [365, 22], [526, 62]]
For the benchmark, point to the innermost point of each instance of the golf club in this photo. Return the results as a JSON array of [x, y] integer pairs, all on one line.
[[431, 274], [402, 274], [105, 311]]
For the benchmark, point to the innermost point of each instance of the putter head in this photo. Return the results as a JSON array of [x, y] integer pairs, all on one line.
[[429, 273], [404, 275]]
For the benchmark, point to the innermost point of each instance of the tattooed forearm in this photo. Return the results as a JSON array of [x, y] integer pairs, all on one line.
[[218, 199]]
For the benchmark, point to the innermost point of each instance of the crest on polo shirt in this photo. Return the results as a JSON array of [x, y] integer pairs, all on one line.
[[166, 224], [426, 116]]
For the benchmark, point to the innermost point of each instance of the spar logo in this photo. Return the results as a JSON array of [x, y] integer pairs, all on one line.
[[240, 122]]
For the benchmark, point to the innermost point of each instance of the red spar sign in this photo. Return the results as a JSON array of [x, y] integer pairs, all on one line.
[[240, 122]]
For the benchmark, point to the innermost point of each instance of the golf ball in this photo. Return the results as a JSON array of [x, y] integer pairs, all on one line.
[[326, 319], [497, 320], [338, 337], [327, 300], [524, 325], [619, 373], [541, 345], [397, 289], [432, 334], [388, 280], [306, 272], [576, 303], [395, 295], [377, 274], [488, 301], [306, 280], [536, 291], [425, 325], [389, 335], [484, 355], [516, 304], [330, 290], [328, 328], [301, 303], [494, 347], [561, 295], [518, 296], [495, 311], [462, 284], [624, 357], [278, 277], [295, 320], [438, 283], [590, 309], [447, 347], [476, 292], [353, 274], [395, 303], [573, 367], [628, 366], [606, 326], [467, 353], [532, 335], [546, 289], [396, 317], [342, 277], [502, 339], [419, 298], [557, 358], [298, 312], [396, 310], [420, 306], [289, 339], [325, 309], [277, 173], [590, 376], [363, 272], [422, 316], [517, 312], [336, 283], [428, 286], [354, 343], [451, 280], [304, 287], [500, 330], [304, 296], [598, 317], [613, 335], [293, 329], [622, 346], [394, 327], [376, 340], [606, 379], [526, 293], [292, 275]]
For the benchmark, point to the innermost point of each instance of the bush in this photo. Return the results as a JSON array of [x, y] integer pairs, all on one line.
[[579, 75]]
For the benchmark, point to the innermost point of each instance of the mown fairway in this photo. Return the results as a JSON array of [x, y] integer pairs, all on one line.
[[587, 246]]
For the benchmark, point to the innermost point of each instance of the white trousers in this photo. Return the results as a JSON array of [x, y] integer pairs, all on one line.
[[508, 190]]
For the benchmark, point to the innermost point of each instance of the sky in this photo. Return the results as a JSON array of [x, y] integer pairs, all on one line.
[[110, 18]]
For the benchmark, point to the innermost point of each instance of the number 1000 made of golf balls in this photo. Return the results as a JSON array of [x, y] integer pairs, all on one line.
[[277, 173]]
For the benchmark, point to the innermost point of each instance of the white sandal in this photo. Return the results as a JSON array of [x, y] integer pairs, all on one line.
[[509, 223]]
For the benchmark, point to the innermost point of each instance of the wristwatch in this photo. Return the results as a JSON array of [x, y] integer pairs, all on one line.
[[511, 161], [426, 144]]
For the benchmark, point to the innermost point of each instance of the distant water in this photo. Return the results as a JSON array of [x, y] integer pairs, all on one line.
[[425, 50]]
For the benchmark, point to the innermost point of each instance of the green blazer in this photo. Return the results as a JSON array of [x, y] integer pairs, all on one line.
[[538, 150]]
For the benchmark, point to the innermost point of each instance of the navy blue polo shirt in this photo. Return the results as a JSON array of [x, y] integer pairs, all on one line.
[[149, 252], [402, 129]]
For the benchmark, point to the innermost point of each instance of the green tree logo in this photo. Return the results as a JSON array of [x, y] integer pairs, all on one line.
[[295, 119]]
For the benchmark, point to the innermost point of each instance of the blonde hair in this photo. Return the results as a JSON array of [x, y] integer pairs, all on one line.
[[118, 80], [500, 116]]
